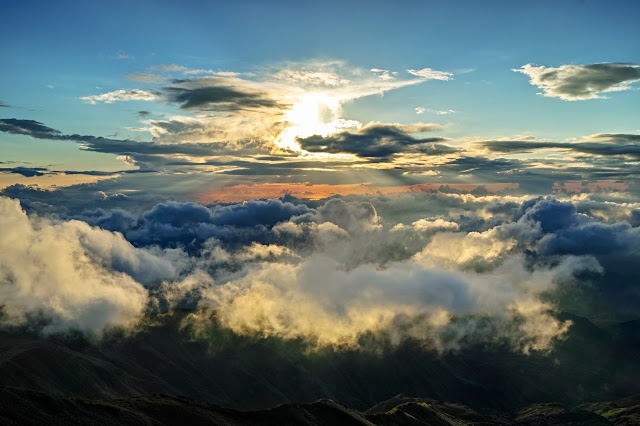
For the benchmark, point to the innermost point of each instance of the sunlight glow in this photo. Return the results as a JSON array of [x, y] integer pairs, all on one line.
[[313, 114]]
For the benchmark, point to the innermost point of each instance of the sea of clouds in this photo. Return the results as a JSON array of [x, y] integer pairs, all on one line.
[[443, 269]]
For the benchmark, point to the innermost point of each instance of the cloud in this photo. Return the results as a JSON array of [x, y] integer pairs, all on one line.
[[384, 75], [174, 224], [606, 144], [271, 108], [350, 216], [121, 95], [146, 77], [311, 77], [379, 140], [423, 225], [214, 93], [318, 301], [5, 105], [141, 152], [466, 269], [122, 55], [25, 171], [429, 74], [580, 82], [442, 112], [27, 127], [422, 110], [188, 71], [115, 220], [545, 226], [212, 72], [170, 67], [82, 289]]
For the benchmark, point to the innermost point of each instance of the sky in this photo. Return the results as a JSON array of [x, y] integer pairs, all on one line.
[[257, 80], [322, 171]]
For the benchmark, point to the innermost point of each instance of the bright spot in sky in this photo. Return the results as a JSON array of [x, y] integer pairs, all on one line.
[[313, 114]]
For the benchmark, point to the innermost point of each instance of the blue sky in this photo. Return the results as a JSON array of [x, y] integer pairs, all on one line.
[[55, 53]]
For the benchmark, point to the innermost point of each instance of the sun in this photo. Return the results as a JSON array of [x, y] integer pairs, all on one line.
[[312, 114]]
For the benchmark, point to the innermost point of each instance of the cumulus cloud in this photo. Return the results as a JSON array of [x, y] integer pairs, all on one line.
[[318, 301], [429, 225], [68, 272], [174, 224], [122, 95], [580, 82]]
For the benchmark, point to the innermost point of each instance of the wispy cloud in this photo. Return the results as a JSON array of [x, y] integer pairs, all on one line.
[[146, 77], [429, 74], [122, 95], [385, 74], [422, 110]]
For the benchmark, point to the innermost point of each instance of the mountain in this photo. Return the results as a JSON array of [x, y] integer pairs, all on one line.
[[128, 372], [25, 407]]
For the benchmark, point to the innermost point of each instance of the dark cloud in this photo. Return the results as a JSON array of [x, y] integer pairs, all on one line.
[[72, 201], [377, 140], [143, 113], [213, 93], [4, 105], [471, 164], [601, 144], [578, 82], [31, 128], [175, 223], [25, 171], [38, 130], [115, 220]]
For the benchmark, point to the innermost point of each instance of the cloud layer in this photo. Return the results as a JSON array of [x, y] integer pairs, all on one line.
[[445, 270]]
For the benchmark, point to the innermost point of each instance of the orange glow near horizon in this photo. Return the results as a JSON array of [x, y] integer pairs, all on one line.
[[243, 192]]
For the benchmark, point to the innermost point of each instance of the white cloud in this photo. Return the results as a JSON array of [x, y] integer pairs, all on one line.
[[422, 110], [311, 77], [429, 74], [319, 301], [384, 74], [121, 95], [65, 272]]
